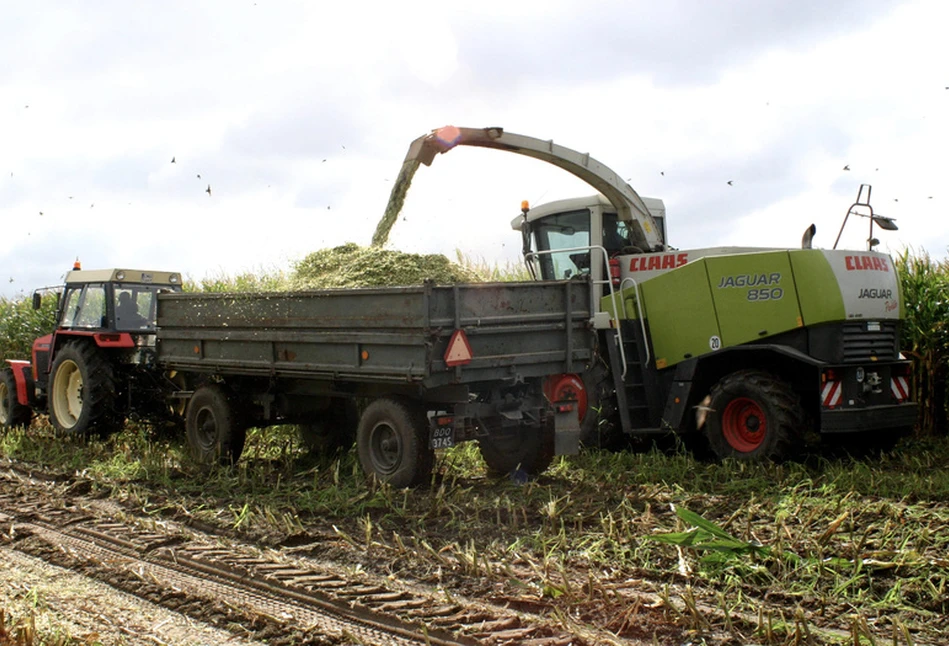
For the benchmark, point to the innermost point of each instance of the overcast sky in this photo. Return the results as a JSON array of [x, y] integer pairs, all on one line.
[[298, 116]]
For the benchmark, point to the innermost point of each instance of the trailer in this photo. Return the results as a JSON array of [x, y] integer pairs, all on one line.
[[402, 370]]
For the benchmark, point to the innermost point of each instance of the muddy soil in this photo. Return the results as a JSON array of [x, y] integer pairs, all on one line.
[[127, 594]]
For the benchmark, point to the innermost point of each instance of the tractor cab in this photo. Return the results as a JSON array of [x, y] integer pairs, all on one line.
[[111, 309], [113, 300]]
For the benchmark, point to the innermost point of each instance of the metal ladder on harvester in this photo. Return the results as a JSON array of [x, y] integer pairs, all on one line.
[[638, 394]]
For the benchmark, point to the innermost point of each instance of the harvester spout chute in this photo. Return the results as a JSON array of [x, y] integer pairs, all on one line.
[[628, 204]]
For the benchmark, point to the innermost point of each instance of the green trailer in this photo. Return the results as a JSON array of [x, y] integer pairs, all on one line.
[[403, 370]]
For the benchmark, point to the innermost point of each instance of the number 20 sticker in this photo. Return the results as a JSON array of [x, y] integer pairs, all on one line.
[[715, 343]]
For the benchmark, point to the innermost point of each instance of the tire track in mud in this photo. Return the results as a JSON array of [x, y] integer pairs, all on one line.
[[225, 583]]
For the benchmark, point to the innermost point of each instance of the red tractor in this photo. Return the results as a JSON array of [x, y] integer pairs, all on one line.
[[101, 352]]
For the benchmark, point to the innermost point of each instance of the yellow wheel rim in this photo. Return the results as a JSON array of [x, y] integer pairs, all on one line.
[[67, 394]]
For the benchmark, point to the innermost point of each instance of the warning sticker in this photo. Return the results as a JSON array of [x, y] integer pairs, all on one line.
[[459, 350]]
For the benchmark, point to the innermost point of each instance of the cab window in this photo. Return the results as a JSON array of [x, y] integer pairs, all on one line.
[[616, 234], [70, 307], [135, 307], [564, 231], [91, 307]]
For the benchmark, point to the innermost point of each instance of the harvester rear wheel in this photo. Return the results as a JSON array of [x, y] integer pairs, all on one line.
[[214, 427], [12, 412], [753, 416]]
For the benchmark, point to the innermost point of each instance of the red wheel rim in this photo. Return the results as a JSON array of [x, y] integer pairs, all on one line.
[[744, 424]]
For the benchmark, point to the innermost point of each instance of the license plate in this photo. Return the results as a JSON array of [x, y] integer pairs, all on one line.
[[443, 437]]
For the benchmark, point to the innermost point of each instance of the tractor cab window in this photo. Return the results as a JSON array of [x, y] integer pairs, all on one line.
[[91, 308], [563, 231], [135, 307], [70, 307]]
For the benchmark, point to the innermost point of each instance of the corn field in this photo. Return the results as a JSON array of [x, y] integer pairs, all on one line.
[[924, 284], [20, 324]]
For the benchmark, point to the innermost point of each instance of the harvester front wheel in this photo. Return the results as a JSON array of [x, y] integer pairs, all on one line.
[[753, 416], [12, 412], [82, 391], [392, 439], [214, 428]]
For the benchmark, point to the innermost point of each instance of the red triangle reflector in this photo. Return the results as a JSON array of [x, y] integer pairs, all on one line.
[[459, 350]]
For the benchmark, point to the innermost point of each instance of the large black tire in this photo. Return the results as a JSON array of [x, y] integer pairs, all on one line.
[[529, 448], [335, 431], [392, 438], [599, 425], [82, 391], [753, 416], [12, 412], [214, 426]]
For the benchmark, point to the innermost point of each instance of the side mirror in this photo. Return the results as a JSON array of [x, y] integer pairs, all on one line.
[[808, 236], [37, 300]]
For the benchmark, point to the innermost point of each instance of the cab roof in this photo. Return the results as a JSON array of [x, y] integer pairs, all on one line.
[[83, 276], [655, 205]]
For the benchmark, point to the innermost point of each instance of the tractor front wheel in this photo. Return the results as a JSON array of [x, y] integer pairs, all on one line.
[[12, 412], [82, 391], [753, 416]]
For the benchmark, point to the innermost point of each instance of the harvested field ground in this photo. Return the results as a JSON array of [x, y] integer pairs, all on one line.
[[632, 547]]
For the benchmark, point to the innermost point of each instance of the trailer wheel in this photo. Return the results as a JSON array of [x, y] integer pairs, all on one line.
[[12, 412], [528, 447], [213, 427], [753, 416], [392, 438], [82, 391], [335, 432]]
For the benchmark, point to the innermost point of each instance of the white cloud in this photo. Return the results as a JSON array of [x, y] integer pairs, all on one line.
[[255, 97]]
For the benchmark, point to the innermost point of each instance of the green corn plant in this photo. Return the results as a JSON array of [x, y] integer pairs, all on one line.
[[707, 537], [924, 285]]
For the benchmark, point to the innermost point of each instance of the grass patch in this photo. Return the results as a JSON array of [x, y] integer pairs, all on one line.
[[825, 543]]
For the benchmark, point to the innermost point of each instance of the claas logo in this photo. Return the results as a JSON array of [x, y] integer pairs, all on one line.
[[653, 262], [866, 263]]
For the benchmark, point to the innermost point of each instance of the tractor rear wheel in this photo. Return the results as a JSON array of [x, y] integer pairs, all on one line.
[[12, 412], [392, 439], [82, 391], [529, 448], [214, 427], [753, 416]]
